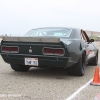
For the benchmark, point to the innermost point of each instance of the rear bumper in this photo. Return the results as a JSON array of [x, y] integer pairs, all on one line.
[[48, 61]]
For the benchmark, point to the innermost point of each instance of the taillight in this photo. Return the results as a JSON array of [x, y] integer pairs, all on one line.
[[5, 48], [9, 49], [59, 51], [14, 49], [53, 51], [46, 50]]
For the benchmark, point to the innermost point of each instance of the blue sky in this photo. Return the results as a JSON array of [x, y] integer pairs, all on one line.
[[17, 17]]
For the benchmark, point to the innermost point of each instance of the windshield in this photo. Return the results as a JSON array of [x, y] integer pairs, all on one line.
[[61, 32]]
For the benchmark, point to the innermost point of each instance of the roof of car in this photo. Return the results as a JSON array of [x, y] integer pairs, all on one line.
[[58, 27]]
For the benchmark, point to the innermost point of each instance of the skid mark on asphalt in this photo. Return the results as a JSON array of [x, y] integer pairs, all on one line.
[[79, 90]]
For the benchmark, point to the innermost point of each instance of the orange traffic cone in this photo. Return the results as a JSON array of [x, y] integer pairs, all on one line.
[[96, 79]]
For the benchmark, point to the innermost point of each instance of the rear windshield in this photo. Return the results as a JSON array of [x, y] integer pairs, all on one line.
[[62, 32]]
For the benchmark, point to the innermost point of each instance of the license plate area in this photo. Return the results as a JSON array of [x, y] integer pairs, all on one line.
[[31, 61]]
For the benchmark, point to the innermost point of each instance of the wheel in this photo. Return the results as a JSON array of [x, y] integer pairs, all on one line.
[[94, 61], [79, 68], [19, 67]]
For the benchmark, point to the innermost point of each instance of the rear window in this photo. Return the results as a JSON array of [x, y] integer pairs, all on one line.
[[50, 32]]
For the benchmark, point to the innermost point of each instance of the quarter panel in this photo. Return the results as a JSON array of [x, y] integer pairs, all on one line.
[[75, 48]]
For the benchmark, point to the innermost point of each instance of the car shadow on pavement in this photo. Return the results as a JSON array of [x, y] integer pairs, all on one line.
[[56, 73]]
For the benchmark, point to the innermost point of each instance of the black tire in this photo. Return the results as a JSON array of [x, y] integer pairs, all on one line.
[[94, 61], [79, 68], [19, 67]]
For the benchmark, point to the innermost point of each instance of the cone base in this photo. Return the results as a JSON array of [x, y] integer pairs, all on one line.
[[95, 84]]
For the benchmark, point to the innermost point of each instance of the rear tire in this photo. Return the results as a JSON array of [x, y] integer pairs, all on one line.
[[19, 67], [79, 68]]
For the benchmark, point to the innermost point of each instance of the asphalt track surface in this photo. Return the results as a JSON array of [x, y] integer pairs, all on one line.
[[45, 84]]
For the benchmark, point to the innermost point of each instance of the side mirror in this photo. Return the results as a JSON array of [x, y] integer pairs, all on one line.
[[91, 40]]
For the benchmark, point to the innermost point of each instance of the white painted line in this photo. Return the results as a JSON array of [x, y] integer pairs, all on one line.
[[79, 90]]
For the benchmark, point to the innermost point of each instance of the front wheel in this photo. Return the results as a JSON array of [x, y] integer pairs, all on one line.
[[79, 68], [94, 61], [19, 67]]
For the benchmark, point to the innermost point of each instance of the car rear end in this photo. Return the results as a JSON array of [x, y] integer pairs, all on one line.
[[52, 53]]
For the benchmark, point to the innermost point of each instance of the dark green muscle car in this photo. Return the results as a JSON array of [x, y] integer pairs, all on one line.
[[69, 48]]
